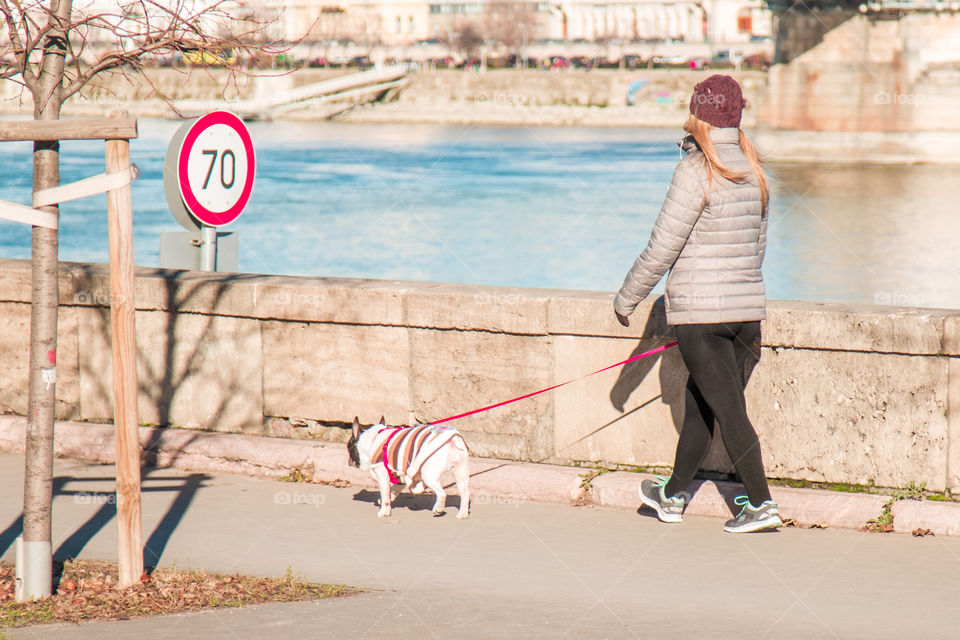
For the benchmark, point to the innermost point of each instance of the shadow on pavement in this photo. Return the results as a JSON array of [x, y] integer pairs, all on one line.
[[406, 500], [153, 549], [185, 490], [9, 535]]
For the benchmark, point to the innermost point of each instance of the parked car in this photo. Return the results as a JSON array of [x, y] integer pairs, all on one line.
[[759, 61], [363, 62]]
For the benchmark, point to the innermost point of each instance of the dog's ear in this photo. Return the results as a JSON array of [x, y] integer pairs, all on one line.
[[356, 427], [381, 420]]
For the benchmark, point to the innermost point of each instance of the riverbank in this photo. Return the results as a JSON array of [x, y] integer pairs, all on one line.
[[502, 97], [506, 97], [594, 98]]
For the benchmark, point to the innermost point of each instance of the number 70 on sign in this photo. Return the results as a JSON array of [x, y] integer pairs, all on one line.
[[227, 153], [216, 166]]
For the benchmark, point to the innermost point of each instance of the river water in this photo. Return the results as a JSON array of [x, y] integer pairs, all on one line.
[[519, 206]]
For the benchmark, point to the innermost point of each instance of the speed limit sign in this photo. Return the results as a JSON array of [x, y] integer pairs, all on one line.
[[209, 171]]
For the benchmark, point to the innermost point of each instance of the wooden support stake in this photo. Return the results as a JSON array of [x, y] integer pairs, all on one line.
[[108, 129], [122, 307]]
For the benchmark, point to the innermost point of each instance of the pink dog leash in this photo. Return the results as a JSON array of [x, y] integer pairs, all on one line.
[[556, 386], [395, 430]]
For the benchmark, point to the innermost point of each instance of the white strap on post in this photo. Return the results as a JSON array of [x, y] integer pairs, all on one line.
[[82, 188], [20, 213]]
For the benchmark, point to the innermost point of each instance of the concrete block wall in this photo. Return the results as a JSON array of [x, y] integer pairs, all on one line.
[[840, 393]]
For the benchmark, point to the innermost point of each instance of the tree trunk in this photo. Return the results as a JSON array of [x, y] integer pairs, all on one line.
[[37, 572]]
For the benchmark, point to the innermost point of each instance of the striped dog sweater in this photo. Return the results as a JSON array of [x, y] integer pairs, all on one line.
[[404, 450]]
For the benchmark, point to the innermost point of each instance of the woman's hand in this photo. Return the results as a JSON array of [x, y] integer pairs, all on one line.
[[623, 319]]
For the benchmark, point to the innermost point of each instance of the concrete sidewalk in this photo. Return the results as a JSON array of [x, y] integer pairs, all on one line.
[[498, 480], [517, 570]]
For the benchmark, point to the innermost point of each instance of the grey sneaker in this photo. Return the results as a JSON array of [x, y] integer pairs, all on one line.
[[751, 518], [668, 509]]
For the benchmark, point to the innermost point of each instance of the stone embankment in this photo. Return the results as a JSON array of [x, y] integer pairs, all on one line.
[[853, 394], [507, 96]]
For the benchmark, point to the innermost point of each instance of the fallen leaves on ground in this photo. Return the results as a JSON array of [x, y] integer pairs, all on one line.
[[298, 475], [790, 522], [90, 591], [920, 532], [339, 483], [583, 499]]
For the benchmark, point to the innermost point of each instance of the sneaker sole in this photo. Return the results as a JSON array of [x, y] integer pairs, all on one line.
[[661, 514], [759, 525]]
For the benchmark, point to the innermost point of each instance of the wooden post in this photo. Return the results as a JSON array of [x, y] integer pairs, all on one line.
[[122, 307]]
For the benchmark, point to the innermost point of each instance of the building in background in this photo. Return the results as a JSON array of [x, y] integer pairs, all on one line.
[[403, 22], [367, 22]]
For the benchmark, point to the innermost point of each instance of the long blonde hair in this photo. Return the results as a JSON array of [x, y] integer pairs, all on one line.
[[700, 131]]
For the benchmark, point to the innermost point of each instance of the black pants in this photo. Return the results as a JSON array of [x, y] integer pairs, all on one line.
[[715, 355]]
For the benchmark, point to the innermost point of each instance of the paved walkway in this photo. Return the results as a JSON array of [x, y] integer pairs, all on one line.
[[513, 570]]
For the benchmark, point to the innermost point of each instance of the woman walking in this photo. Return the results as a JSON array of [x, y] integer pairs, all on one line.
[[711, 236]]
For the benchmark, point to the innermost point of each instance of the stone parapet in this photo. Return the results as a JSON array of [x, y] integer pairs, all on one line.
[[859, 394]]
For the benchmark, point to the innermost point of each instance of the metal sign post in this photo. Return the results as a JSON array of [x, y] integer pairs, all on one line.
[[208, 250], [208, 176]]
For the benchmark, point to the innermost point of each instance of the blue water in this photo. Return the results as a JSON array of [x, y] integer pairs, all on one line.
[[518, 206]]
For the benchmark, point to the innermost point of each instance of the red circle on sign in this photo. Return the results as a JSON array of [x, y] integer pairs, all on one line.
[[200, 212]]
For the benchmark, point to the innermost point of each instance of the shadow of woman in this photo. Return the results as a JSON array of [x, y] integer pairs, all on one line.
[[673, 375]]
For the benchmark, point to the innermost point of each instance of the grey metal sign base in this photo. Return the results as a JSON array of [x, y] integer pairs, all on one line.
[[207, 250]]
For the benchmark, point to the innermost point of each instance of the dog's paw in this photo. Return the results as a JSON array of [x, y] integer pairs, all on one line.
[[417, 488], [383, 513], [462, 515]]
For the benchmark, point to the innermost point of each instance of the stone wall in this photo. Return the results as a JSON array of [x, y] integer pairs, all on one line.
[[573, 97], [498, 96], [851, 394]]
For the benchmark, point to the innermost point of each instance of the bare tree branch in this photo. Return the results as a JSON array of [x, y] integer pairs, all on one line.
[[14, 19], [126, 34]]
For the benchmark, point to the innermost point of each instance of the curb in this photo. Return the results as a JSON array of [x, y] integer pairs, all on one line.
[[503, 480]]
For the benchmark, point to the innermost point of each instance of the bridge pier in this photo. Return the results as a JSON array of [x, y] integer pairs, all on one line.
[[874, 86]]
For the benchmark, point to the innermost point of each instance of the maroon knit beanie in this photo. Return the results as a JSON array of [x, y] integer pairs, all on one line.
[[718, 101]]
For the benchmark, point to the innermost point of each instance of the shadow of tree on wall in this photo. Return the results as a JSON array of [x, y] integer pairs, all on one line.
[[175, 362]]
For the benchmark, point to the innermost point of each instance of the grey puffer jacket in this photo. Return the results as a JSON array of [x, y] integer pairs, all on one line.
[[712, 244]]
